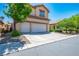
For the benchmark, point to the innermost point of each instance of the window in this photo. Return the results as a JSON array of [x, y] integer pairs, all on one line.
[[42, 13], [33, 13]]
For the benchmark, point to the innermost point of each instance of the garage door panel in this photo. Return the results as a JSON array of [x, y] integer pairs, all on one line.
[[38, 27], [25, 27]]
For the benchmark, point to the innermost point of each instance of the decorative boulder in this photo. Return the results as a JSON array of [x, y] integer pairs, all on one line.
[[24, 39]]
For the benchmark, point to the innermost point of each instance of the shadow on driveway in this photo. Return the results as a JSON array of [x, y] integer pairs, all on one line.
[[8, 45]]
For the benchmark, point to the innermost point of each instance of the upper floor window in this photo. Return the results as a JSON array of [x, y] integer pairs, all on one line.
[[32, 14], [42, 13]]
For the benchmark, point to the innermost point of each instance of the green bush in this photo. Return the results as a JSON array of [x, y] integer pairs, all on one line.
[[15, 33], [0, 30], [52, 30]]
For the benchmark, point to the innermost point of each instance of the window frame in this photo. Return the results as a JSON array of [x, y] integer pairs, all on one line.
[[41, 13]]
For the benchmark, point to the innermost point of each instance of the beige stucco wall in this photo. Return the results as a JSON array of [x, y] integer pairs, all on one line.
[[41, 8], [18, 28], [52, 26], [3, 26], [48, 27], [0, 26], [37, 20], [33, 11]]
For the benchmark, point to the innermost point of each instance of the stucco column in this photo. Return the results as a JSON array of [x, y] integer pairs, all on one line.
[[47, 27], [30, 27]]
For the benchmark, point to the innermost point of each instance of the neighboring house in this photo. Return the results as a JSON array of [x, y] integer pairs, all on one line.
[[2, 26], [5, 27], [9, 27], [37, 22], [52, 25]]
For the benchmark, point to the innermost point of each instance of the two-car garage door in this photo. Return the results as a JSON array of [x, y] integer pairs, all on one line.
[[33, 27]]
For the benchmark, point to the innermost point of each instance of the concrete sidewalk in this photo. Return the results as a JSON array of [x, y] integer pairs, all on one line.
[[67, 47]]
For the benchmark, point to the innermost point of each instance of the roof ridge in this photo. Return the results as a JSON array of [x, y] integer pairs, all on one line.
[[40, 5]]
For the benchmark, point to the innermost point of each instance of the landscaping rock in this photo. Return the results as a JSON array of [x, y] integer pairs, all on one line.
[[63, 31], [73, 32], [24, 39]]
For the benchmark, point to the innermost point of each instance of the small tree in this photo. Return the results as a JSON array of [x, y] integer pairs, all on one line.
[[70, 24], [63, 24], [18, 11]]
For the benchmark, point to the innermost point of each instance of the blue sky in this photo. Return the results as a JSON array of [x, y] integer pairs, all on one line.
[[57, 10]]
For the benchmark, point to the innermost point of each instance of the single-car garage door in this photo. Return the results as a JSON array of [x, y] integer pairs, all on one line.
[[25, 27], [35, 27]]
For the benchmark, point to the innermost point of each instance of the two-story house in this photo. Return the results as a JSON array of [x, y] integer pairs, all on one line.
[[37, 22]]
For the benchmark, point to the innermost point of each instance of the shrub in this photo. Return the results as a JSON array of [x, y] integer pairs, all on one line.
[[15, 33], [52, 30], [0, 31]]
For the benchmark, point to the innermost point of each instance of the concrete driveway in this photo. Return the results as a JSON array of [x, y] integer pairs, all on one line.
[[42, 37], [67, 47]]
